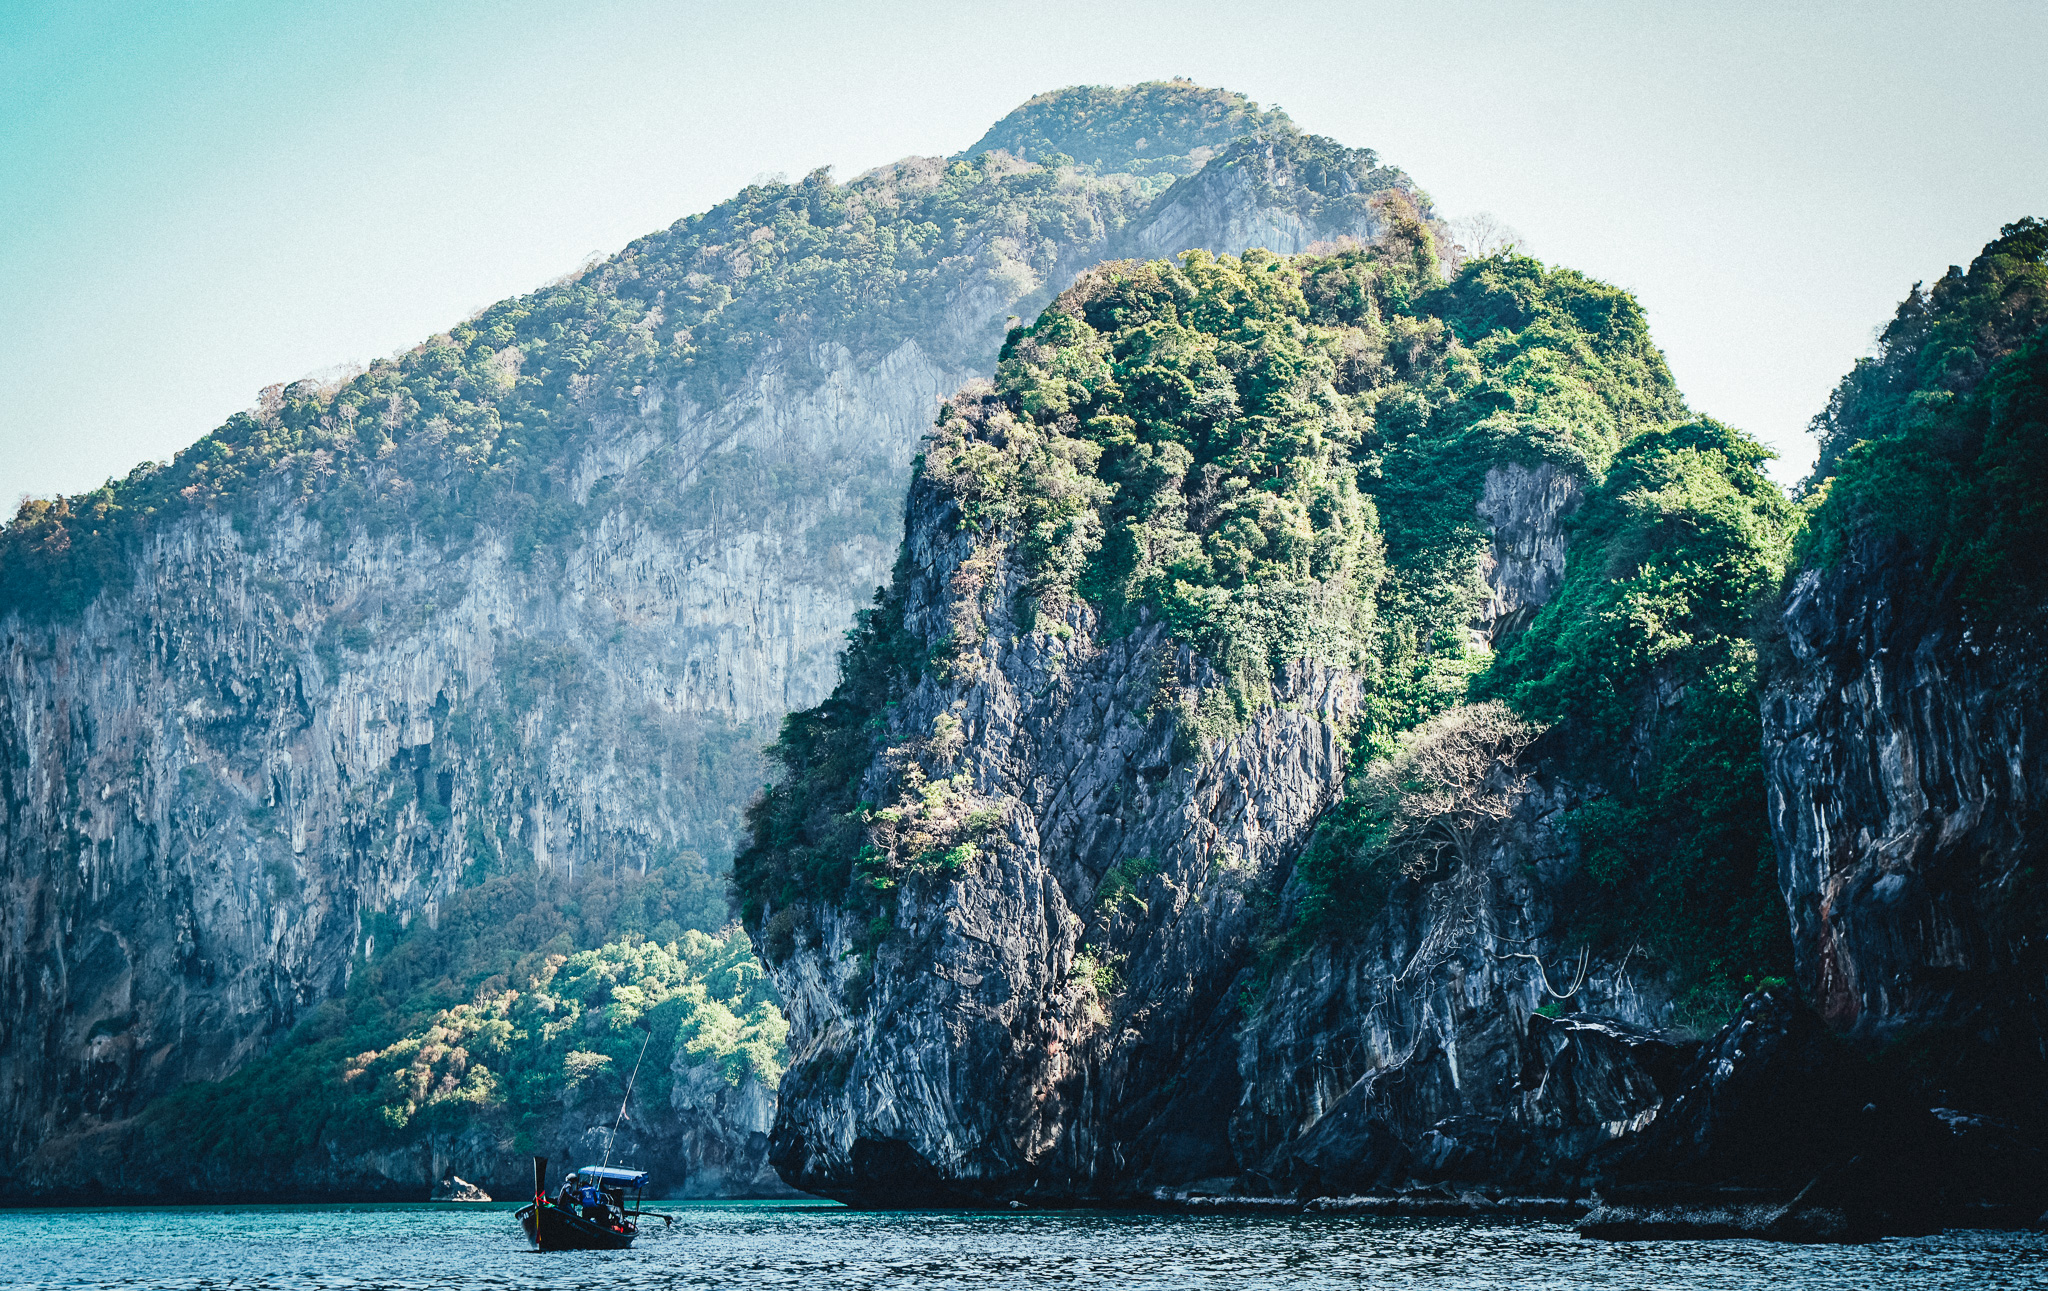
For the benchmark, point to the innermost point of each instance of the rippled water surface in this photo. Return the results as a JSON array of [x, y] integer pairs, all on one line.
[[815, 1246]]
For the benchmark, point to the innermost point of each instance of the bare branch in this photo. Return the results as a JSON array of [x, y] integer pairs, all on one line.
[[1484, 234], [1453, 775]]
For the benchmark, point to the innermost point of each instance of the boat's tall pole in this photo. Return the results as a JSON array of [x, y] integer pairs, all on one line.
[[540, 1177], [629, 1094]]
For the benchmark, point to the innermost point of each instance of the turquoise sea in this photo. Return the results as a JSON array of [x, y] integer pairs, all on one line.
[[756, 1244]]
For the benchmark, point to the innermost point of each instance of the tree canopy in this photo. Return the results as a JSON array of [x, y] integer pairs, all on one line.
[[1277, 458], [1941, 439]]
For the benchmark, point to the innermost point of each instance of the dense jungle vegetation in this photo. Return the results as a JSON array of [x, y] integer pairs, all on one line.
[[1280, 458], [478, 427], [479, 430], [1940, 440], [511, 1010]]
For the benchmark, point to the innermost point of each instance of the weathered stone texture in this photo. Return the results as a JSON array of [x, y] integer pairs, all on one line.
[[983, 1059], [214, 785], [1907, 776]]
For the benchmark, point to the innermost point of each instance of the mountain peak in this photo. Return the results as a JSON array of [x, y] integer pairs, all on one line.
[[1130, 127]]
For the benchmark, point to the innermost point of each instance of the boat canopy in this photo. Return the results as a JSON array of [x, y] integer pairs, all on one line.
[[613, 1174]]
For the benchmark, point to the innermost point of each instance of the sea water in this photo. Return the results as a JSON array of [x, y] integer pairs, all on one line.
[[808, 1245]]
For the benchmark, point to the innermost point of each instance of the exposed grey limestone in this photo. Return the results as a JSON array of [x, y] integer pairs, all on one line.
[[212, 782], [218, 786], [726, 1130], [1413, 1053], [1903, 777], [1526, 509], [1020, 1038], [1903, 781], [1258, 195], [1905, 770]]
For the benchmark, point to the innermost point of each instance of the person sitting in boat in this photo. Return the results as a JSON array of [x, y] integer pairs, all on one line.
[[594, 1208], [566, 1198]]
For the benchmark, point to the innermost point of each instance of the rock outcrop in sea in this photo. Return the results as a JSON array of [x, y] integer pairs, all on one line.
[[1902, 1087], [1047, 1031], [1081, 1001], [1077, 984]]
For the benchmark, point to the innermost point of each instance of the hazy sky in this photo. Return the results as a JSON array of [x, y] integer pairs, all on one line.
[[199, 199]]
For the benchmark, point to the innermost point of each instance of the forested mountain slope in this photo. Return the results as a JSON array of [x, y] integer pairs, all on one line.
[[1328, 731], [1153, 837], [1904, 722], [505, 616], [1901, 1086]]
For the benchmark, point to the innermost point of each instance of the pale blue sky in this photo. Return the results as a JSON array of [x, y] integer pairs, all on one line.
[[199, 199]]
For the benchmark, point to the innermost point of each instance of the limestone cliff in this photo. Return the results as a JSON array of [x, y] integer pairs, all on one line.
[[1276, 190], [1899, 1086], [1904, 773], [1902, 724], [1431, 1049], [1028, 886], [1062, 1024], [300, 710]]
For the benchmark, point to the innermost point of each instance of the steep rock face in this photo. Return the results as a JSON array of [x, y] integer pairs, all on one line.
[[1526, 508], [1281, 191], [1906, 777], [1898, 1089], [207, 794], [1414, 1054], [725, 1127], [1063, 1024], [990, 1055], [219, 786]]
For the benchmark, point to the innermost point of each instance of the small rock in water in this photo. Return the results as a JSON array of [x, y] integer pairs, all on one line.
[[457, 1188]]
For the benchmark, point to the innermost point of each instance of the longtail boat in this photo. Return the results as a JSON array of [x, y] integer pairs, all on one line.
[[591, 1215], [570, 1223]]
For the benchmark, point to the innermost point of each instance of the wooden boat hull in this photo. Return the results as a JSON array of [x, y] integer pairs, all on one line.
[[550, 1228]]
